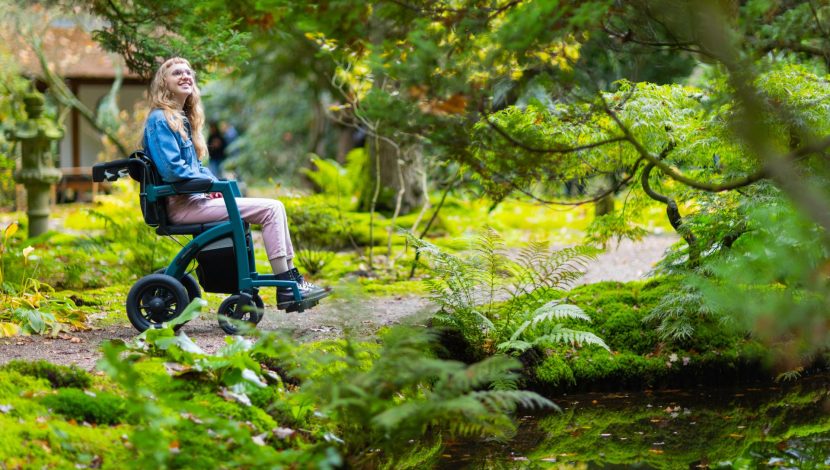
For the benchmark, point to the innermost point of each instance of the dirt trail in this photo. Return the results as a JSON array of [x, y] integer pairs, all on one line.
[[628, 261]]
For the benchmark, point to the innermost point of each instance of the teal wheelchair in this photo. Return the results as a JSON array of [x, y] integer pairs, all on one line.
[[223, 253]]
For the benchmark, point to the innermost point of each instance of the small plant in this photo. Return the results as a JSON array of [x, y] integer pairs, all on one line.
[[314, 261], [26, 306], [545, 327], [678, 312], [8, 233], [493, 298], [316, 224], [405, 395]]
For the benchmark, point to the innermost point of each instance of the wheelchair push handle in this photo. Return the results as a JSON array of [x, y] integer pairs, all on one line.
[[111, 171]]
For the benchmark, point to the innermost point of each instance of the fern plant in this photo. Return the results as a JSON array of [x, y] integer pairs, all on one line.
[[405, 394], [490, 295], [678, 312], [545, 327]]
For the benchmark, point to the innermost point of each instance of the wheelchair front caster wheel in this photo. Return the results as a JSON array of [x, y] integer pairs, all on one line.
[[230, 308], [155, 299]]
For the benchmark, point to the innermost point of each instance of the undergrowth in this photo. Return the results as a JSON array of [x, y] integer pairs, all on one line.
[[261, 401]]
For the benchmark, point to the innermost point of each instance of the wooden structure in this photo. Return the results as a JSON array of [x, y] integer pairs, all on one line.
[[89, 72]]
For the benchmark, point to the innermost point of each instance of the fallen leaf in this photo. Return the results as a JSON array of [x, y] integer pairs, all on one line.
[[283, 433]]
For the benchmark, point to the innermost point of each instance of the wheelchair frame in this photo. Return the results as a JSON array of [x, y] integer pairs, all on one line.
[[153, 191]]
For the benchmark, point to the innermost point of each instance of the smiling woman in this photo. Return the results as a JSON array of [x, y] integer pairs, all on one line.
[[174, 141]]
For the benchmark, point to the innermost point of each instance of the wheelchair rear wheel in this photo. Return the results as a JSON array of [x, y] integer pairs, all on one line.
[[155, 299], [190, 284], [250, 313]]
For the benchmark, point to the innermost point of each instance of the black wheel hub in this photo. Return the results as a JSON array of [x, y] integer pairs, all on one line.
[[157, 306]]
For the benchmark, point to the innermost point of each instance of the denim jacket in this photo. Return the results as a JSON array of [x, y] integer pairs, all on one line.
[[174, 156]]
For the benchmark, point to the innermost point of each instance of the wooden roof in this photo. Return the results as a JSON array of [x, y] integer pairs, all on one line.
[[70, 51]]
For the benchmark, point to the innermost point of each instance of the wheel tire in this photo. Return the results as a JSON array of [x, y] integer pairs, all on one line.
[[155, 299], [190, 284], [229, 308]]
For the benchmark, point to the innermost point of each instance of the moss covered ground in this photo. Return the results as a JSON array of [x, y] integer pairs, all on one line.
[[640, 357]]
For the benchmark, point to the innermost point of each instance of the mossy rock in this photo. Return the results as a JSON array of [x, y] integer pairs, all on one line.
[[57, 375], [61, 445], [555, 372], [599, 370], [624, 331], [653, 291], [97, 408]]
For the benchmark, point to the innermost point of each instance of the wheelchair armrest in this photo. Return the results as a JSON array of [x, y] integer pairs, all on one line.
[[195, 185]]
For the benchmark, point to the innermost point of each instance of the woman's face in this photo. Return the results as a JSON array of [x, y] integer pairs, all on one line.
[[180, 81]]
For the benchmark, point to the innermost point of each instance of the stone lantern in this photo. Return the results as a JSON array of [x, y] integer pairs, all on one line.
[[37, 171]]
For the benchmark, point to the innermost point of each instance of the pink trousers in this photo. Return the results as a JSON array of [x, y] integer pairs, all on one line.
[[269, 213]]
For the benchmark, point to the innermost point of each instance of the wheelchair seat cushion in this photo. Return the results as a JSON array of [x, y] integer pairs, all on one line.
[[192, 229]]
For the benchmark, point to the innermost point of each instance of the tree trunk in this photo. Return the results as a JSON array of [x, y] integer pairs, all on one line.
[[396, 168]]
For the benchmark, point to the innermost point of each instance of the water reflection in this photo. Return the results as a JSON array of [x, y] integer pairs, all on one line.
[[784, 426]]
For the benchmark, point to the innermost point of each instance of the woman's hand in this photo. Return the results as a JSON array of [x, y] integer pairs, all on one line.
[[214, 195]]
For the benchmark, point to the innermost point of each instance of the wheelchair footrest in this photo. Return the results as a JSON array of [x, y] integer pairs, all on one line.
[[305, 304]]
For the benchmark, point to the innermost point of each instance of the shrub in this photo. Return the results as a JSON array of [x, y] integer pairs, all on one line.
[[316, 224]]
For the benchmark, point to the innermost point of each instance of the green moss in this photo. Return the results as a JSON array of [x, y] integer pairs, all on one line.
[[57, 444], [97, 408], [380, 288], [31, 438], [555, 371], [625, 332], [214, 405], [59, 376], [598, 368]]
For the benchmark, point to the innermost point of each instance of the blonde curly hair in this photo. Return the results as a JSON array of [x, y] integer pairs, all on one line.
[[161, 98]]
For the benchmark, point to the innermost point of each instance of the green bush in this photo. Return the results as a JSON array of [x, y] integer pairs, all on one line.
[[97, 408], [316, 224], [57, 375]]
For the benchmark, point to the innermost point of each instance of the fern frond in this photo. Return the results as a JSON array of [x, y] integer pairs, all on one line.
[[518, 333], [513, 345], [508, 400], [678, 312], [561, 335], [554, 310]]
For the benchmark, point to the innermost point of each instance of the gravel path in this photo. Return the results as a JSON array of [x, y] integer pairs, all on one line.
[[361, 316]]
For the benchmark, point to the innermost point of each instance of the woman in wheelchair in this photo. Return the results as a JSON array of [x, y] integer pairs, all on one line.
[[174, 141]]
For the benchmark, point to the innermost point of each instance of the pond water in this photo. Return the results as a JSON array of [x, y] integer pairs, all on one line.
[[779, 426]]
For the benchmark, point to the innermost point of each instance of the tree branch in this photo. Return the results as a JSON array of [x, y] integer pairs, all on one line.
[[672, 211], [676, 175], [560, 150]]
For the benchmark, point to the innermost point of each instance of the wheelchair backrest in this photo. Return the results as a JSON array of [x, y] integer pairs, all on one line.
[[143, 170]]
